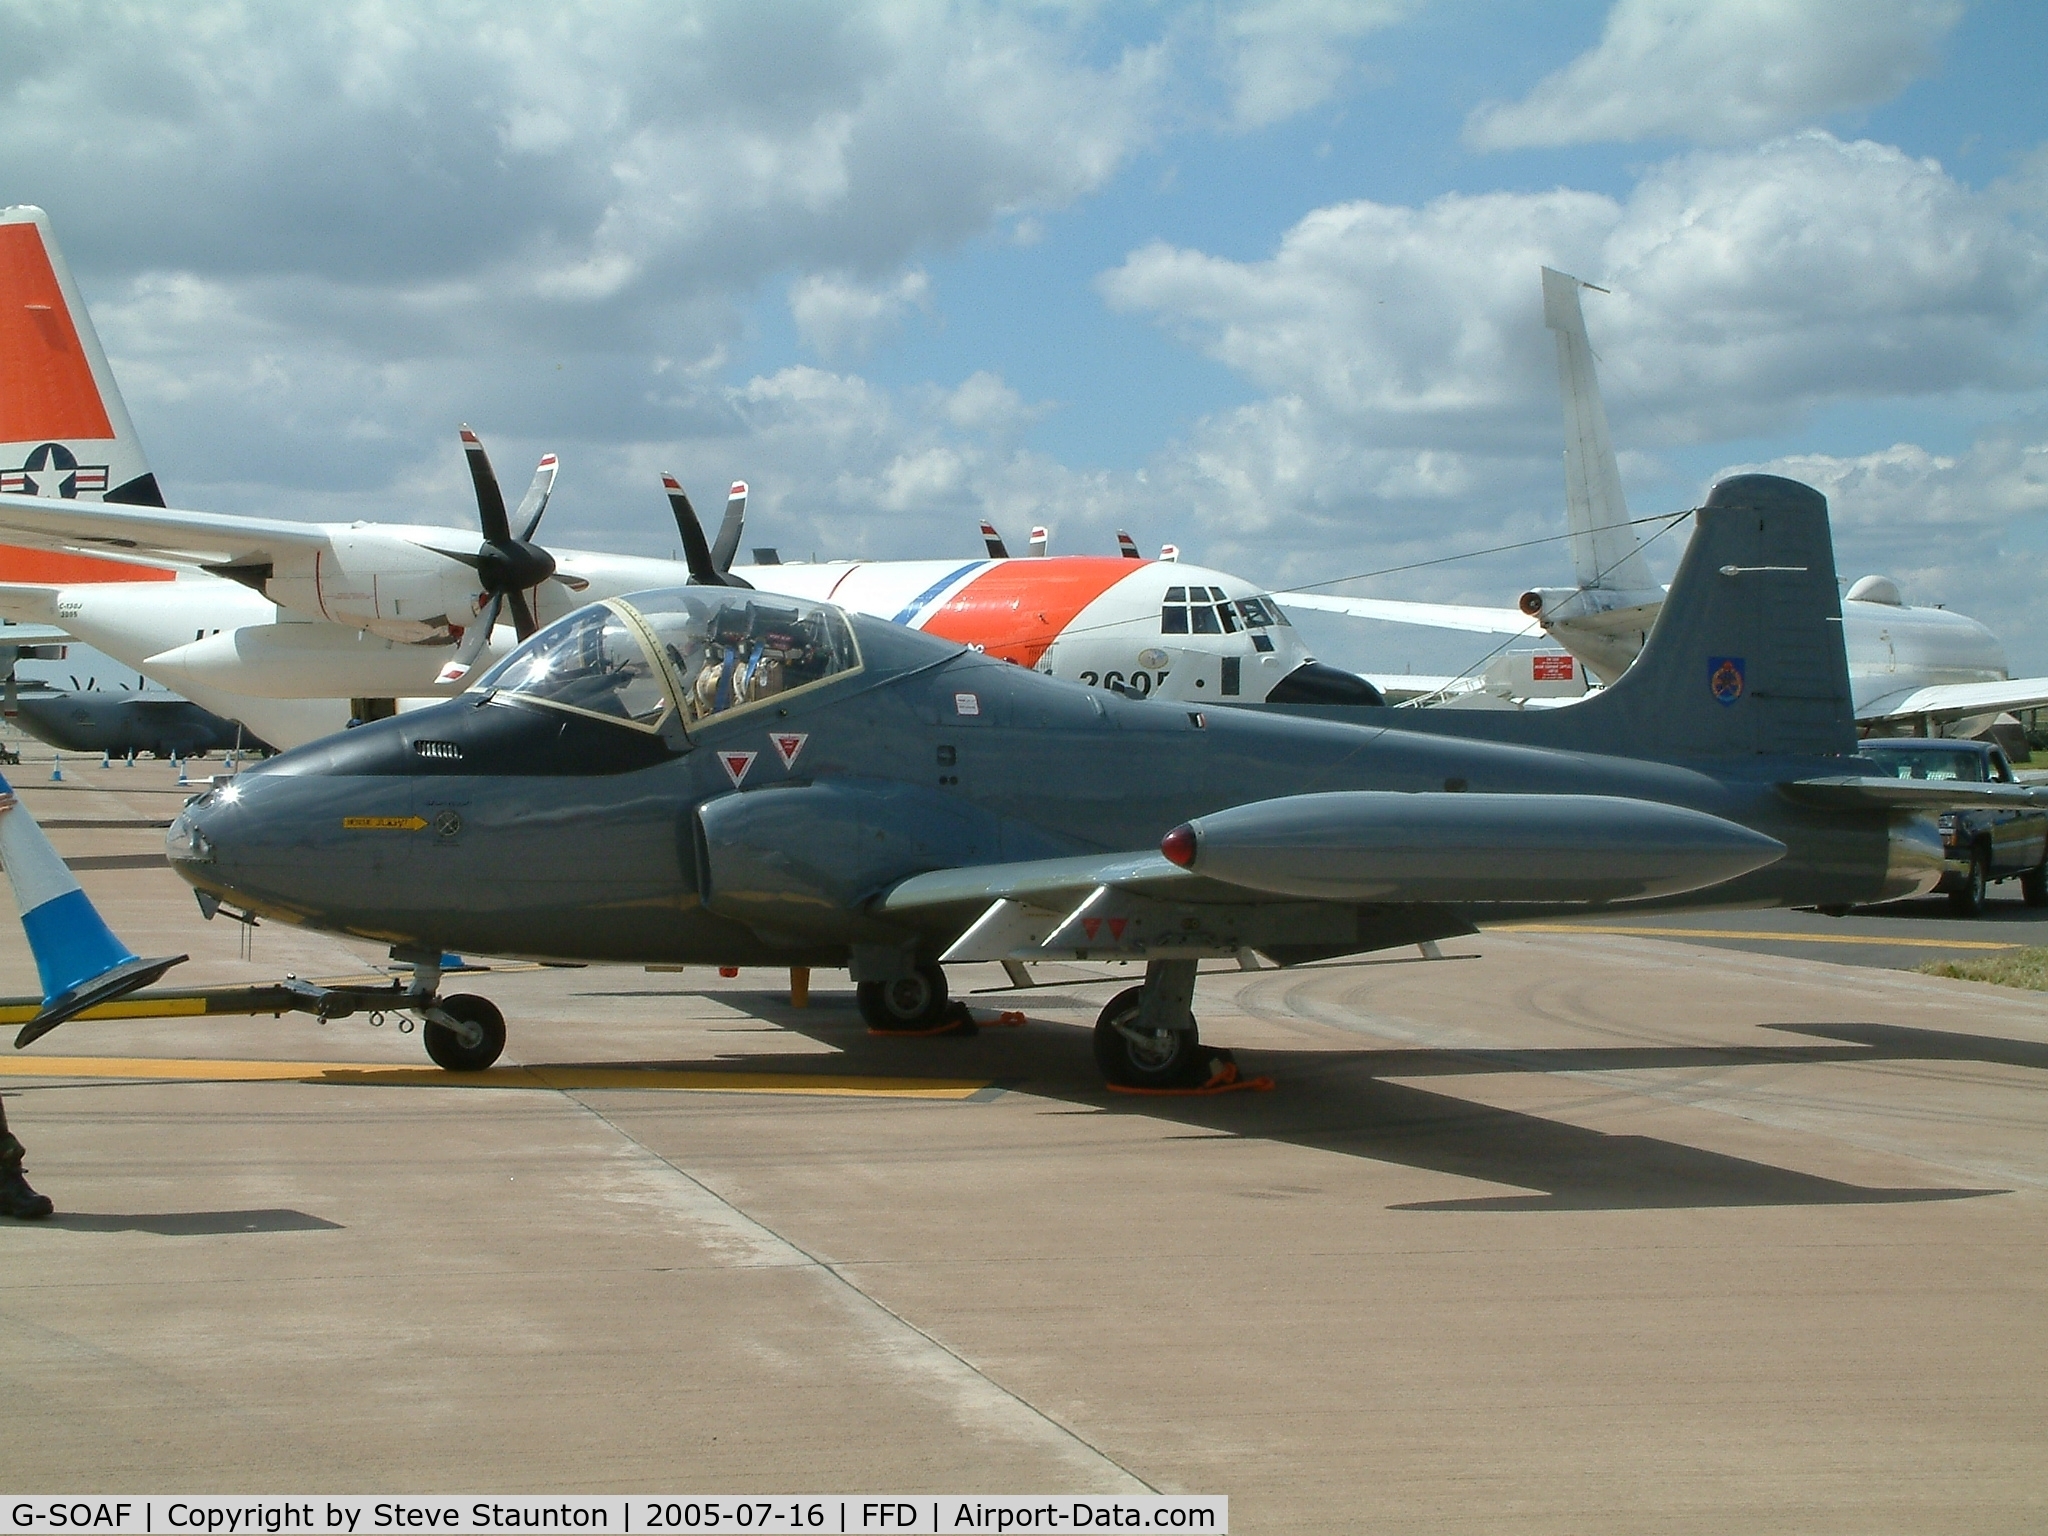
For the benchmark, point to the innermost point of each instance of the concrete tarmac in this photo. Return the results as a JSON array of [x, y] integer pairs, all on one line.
[[1563, 1232]]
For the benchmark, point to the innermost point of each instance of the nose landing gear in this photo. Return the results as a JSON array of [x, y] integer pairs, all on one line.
[[472, 1036]]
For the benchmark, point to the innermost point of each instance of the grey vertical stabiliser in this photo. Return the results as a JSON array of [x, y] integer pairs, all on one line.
[[1746, 657]]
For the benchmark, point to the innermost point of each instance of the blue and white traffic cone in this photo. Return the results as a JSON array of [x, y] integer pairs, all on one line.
[[78, 959], [56, 767]]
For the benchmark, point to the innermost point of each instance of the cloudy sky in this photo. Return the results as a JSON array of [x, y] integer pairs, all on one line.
[[1257, 277]]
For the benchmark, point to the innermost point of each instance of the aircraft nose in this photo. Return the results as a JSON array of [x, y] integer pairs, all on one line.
[[281, 844]]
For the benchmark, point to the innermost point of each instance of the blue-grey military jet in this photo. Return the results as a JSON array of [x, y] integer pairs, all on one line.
[[726, 777]]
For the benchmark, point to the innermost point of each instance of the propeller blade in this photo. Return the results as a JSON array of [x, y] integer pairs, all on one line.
[[535, 501], [490, 501], [468, 557], [474, 639], [728, 542], [1039, 539], [696, 553], [997, 549], [522, 616], [1128, 545]]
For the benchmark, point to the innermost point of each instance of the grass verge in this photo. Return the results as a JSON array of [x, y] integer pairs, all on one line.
[[2014, 968]]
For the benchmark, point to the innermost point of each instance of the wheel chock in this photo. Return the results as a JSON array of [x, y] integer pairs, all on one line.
[[956, 1020], [1223, 1078]]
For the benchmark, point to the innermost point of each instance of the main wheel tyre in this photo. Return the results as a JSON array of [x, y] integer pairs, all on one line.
[[1165, 1058], [1968, 899], [2034, 885], [913, 1002], [446, 1047]]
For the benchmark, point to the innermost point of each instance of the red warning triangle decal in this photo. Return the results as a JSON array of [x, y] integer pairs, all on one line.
[[737, 764], [787, 744]]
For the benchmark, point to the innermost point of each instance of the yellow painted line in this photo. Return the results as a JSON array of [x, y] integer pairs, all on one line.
[[175, 1007], [1744, 933], [364, 1074]]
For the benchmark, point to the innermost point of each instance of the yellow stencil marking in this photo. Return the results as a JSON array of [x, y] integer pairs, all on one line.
[[381, 823], [559, 1078]]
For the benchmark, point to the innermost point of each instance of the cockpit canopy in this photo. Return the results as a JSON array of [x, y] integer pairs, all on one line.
[[697, 651]]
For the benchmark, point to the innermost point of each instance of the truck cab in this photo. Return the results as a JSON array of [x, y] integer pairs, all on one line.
[[1981, 846]]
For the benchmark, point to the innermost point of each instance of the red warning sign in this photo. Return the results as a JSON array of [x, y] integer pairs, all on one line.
[[1551, 669], [736, 765], [787, 744]]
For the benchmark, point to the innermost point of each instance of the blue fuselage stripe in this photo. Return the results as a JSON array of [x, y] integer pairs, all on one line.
[[916, 604]]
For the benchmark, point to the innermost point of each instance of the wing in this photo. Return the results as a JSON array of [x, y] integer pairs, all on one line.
[[1326, 874], [1850, 792], [150, 533], [1485, 621], [1954, 701]]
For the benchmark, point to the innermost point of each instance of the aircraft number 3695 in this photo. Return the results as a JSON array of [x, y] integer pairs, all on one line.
[[1140, 682]]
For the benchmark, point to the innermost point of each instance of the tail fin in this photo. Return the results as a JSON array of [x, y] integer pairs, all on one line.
[[80, 962], [64, 430], [1747, 655], [1605, 552]]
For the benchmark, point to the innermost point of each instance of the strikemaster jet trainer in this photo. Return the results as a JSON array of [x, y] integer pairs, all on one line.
[[719, 776]]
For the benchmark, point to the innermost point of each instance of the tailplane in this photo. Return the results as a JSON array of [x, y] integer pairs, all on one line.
[[64, 430]]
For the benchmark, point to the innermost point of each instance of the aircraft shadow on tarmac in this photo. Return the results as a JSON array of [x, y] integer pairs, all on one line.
[[1344, 1102], [194, 1223]]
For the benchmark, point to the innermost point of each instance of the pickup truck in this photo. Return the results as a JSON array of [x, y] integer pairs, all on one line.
[[1980, 845]]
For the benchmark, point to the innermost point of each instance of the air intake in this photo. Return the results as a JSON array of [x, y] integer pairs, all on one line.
[[441, 751]]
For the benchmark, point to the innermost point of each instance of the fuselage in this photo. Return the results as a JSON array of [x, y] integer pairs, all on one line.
[[759, 832], [1895, 649]]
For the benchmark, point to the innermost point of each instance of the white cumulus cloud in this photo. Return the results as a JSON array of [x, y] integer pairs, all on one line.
[[1721, 71]]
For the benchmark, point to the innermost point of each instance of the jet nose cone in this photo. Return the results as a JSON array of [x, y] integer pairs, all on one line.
[[186, 843]]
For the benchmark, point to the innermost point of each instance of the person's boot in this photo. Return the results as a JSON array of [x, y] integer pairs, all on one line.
[[16, 1198]]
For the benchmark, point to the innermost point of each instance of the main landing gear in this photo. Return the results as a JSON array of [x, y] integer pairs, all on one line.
[[906, 1004], [1147, 1037]]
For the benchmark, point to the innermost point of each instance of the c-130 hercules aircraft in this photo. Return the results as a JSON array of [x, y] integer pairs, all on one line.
[[719, 776]]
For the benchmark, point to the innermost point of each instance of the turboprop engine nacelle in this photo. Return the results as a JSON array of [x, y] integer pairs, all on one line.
[[1375, 845], [293, 661], [380, 580]]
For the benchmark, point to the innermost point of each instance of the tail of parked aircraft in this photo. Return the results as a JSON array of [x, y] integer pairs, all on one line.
[[80, 962], [1605, 550], [64, 431], [1746, 657]]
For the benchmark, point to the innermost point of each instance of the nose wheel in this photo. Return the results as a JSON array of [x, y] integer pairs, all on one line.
[[464, 1033]]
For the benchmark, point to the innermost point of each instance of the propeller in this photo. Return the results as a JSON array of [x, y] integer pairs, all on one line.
[[728, 542], [705, 571], [1128, 545], [506, 566], [1039, 540], [997, 549]]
